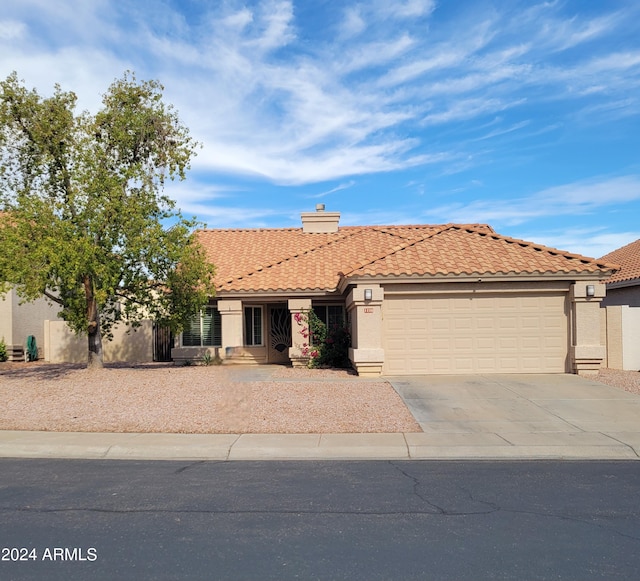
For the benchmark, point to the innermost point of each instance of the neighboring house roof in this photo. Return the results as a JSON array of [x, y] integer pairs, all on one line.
[[261, 260], [628, 257]]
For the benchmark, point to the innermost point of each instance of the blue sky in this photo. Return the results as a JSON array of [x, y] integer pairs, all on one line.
[[521, 114]]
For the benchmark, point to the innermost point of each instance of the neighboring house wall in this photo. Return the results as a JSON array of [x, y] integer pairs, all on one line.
[[61, 345], [6, 308], [19, 320], [628, 295], [622, 337]]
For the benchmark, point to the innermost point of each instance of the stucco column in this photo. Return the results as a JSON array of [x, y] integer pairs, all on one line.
[[366, 352], [298, 308], [587, 352], [231, 324]]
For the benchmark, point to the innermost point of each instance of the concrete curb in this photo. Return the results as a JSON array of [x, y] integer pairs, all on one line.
[[232, 447]]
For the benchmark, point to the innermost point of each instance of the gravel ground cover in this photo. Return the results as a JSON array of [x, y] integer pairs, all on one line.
[[627, 380], [166, 398], [199, 399]]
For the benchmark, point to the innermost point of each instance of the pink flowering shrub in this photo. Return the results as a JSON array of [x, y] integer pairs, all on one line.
[[323, 347]]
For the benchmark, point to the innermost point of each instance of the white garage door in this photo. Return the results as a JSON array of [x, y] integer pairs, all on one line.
[[519, 333]]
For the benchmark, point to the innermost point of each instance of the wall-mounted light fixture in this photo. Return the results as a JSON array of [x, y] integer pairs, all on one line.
[[368, 294], [591, 290]]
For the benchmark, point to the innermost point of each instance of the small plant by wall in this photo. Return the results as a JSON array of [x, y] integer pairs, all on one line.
[[4, 355]]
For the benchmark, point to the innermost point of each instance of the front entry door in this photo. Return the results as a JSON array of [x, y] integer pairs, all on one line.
[[279, 333]]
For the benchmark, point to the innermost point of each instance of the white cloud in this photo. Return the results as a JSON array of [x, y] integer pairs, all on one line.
[[12, 29], [353, 23], [469, 108], [338, 188], [347, 105], [373, 54], [593, 243], [570, 199], [506, 130], [408, 8], [275, 24]]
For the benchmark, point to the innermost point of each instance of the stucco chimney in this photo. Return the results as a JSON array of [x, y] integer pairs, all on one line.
[[320, 221]]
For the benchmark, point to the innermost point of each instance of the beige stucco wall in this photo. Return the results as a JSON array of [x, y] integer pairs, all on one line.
[[587, 352], [19, 320], [6, 310], [366, 352], [622, 337], [631, 338], [298, 307], [61, 345], [612, 323]]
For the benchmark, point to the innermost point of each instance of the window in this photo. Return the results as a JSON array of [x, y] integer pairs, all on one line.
[[204, 329], [253, 325], [331, 315]]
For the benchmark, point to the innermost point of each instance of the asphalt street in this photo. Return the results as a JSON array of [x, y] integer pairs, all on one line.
[[148, 520]]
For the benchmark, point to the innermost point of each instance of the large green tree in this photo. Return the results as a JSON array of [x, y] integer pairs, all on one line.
[[85, 220]]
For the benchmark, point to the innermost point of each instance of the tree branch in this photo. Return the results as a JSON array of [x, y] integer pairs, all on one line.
[[53, 298]]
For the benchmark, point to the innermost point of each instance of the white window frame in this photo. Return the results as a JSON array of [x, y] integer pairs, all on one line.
[[249, 326]]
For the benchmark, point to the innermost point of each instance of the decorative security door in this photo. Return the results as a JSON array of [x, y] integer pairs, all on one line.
[[279, 333]]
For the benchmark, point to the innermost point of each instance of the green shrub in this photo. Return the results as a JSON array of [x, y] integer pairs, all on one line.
[[324, 347], [4, 355]]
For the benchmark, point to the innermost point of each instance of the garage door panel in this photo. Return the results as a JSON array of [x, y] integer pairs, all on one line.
[[518, 333], [486, 343], [440, 324], [486, 365], [509, 364], [464, 365], [485, 323], [418, 325], [530, 322], [463, 323], [440, 345], [507, 344], [532, 344], [508, 323], [463, 344], [440, 365], [554, 343], [461, 305]]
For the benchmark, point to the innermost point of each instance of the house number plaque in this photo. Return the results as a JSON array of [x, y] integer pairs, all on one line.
[[368, 309]]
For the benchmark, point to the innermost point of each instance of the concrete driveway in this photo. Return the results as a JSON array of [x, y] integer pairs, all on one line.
[[540, 412]]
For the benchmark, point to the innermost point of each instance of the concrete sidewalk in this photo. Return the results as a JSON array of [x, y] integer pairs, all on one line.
[[463, 417], [416, 446]]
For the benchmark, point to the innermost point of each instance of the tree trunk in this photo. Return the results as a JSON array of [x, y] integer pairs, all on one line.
[[95, 359]]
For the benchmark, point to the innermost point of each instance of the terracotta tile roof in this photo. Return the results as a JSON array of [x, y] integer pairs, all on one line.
[[628, 257], [459, 249], [290, 260]]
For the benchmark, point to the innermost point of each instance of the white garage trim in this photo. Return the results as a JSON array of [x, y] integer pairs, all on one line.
[[517, 332]]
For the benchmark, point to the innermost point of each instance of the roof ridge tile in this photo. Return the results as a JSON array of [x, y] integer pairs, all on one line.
[[396, 249], [293, 256]]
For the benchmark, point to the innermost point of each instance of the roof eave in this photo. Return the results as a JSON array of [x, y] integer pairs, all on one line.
[[624, 283], [345, 282], [274, 293]]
